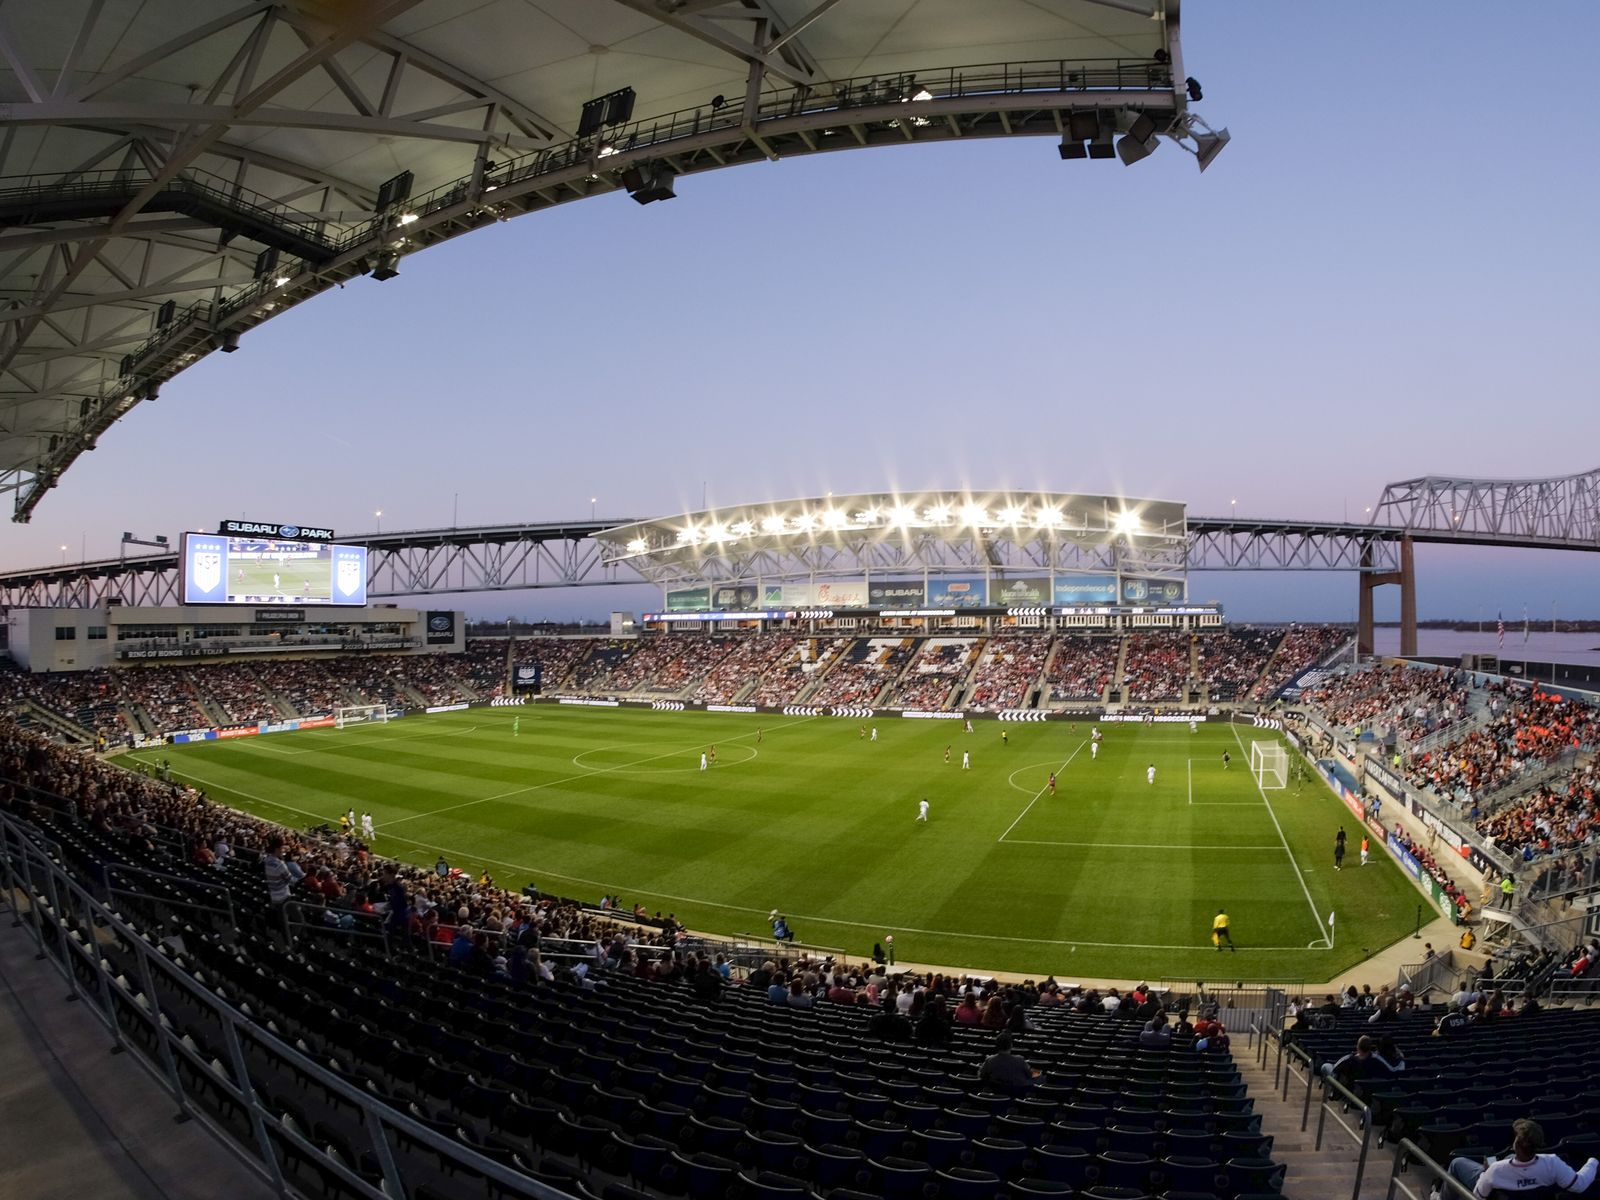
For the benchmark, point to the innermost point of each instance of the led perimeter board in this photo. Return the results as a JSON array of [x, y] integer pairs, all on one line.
[[218, 569]]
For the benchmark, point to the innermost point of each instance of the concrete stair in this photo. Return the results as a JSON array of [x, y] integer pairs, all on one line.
[[1325, 1174]]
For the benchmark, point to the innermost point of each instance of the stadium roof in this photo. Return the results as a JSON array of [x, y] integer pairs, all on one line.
[[174, 172]]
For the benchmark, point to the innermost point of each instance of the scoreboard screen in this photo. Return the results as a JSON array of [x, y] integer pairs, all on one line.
[[218, 569]]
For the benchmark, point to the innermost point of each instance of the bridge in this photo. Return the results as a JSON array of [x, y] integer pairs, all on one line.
[[1561, 513]]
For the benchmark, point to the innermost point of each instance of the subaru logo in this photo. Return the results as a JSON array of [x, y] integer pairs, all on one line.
[[439, 624], [290, 531]]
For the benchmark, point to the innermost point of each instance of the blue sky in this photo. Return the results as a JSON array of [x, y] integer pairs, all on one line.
[[1391, 271]]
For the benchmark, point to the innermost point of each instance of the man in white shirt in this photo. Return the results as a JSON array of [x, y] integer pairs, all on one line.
[[922, 810], [1524, 1170]]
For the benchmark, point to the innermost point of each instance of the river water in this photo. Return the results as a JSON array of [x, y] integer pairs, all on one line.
[[1582, 649]]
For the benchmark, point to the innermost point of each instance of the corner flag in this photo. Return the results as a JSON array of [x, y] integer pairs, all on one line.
[[1330, 920]]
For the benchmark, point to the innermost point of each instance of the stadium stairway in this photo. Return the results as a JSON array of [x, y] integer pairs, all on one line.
[[1117, 674], [53, 721]]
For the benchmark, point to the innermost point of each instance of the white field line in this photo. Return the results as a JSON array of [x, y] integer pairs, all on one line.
[[1316, 916], [1041, 791]]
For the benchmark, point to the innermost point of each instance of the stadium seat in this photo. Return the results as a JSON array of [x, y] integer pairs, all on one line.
[[1254, 1175], [769, 1185], [965, 1183], [1037, 1189]]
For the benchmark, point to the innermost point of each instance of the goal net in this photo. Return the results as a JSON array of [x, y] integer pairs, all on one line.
[[359, 714], [1269, 763]]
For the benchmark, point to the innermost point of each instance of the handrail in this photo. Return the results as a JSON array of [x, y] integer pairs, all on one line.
[[225, 909], [1295, 1051], [1331, 1085], [382, 1122], [1408, 1152]]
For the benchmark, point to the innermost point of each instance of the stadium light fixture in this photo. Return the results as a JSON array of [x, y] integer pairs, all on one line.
[[280, 281], [1127, 521], [229, 341], [689, 536], [716, 532], [902, 515], [1048, 518], [386, 263], [936, 514], [638, 546], [835, 518], [974, 515], [742, 528], [772, 524], [406, 218], [1011, 514], [1139, 142], [803, 522]]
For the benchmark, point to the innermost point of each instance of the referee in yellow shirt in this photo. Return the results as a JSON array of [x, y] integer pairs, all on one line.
[[1220, 934]]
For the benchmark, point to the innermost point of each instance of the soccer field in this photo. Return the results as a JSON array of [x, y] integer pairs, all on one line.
[[1110, 877]]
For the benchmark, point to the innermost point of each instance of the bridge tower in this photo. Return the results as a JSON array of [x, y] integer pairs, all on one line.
[[1371, 579]]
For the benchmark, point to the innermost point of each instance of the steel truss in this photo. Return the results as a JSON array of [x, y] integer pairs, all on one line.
[[112, 355], [1232, 545], [1559, 512]]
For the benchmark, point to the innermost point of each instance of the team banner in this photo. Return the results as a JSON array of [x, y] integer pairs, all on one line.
[[689, 600], [1086, 589], [526, 677], [441, 628], [957, 592], [738, 597], [772, 595], [1140, 591], [1032, 589], [900, 593]]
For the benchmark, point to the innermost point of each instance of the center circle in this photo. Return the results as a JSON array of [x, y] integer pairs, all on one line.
[[646, 759], [1043, 768]]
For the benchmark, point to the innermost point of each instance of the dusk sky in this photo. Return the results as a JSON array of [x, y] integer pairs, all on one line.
[[1391, 271]]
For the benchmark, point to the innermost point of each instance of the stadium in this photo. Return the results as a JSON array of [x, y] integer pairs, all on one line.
[[935, 842]]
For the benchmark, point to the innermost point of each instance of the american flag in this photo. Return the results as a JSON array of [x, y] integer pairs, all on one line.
[[1501, 630]]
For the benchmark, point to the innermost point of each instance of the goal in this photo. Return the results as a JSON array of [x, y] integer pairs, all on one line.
[[1269, 763], [359, 714]]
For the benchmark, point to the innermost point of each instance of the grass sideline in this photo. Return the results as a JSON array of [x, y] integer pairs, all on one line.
[[1110, 877]]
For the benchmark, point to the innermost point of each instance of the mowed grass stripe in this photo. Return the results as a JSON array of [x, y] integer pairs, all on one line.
[[821, 824]]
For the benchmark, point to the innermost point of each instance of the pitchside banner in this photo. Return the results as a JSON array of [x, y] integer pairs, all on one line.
[[964, 592], [1086, 589], [838, 593], [441, 628], [1136, 590], [898, 594], [526, 677], [734, 597], [1029, 590]]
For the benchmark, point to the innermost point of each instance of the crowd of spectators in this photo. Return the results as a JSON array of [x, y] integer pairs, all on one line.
[[1157, 666], [1527, 729], [1397, 703], [938, 669], [1302, 647], [1554, 818], [236, 690], [668, 664], [1082, 667], [863, 670], [89, 699], [166, 695], [557, 658], [1007, 671], [1231, 661], [796, 670], [749, 660], [1430, 864]]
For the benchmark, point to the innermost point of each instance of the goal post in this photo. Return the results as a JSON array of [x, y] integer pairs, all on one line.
[[1269, 763], [359, 714]]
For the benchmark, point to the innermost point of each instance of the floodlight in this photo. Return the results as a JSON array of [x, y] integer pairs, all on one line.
[[1011, 514], [742, 529], [638, 546], [229, 341], [936, 514], [1127, 521], [1083, 124], [835, 518], [280, 280], [974, 514], [902, 514], [803, 522], [716, 532], [689, 536], [868, 516], [1069, 149], [1210, 145], [772, 524], [405, 218], [1048, 518], [1102, 148], [922, 94], [648, 182], [386, 263], [1140, 141]]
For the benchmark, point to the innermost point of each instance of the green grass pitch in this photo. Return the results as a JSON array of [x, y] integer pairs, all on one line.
[[292, 579], [1110, 877]]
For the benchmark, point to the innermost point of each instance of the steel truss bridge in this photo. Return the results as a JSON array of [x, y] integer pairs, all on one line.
[[1543, 514]]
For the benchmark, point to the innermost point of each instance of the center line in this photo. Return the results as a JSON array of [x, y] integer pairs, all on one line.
[[1041, 792]]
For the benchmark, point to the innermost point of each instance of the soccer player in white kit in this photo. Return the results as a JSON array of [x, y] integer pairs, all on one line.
[[1094, 750], [922, 810], [1194, 726], [874, 736], [1150, 774], [966, 761], [702, 760], [367, 831]]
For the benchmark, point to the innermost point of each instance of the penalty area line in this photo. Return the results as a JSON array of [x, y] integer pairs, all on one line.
[[1316, 916]]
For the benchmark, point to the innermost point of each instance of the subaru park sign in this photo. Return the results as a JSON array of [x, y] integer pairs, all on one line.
[[269, 529]]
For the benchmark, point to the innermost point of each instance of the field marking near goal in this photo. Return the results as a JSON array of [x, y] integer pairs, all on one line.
[[1316, 914], [1189, 766], [1144, 845], [399, 737], [608, 886], [1042, 790]]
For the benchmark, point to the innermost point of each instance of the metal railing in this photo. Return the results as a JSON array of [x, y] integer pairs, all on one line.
[[223, 899], [1332, 1092], [1408, 1153], [126, 998]]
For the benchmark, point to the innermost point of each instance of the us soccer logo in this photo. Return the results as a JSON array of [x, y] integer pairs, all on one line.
[[207, 570], [349, 576]]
